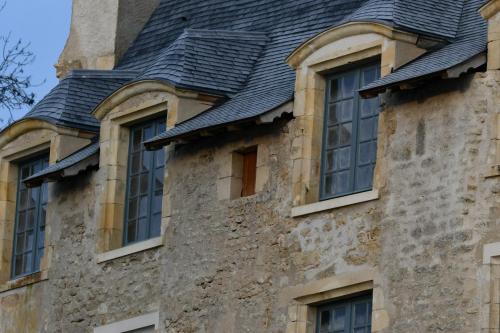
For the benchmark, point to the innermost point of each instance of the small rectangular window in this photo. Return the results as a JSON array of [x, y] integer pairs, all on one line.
[[29, 230], [350, 134], [144, 184], [249, 173], [346, 316]]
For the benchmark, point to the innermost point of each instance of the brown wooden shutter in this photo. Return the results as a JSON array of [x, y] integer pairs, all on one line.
[[249, 173]]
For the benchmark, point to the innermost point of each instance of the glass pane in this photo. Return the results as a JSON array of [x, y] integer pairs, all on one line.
[[339, 318], [21, 222], [369, 75], [341, 182], [348, 82], [333, 136], [360, 314], [369, 107], [146, 160], [159, 179], [131, 231], [23, 199], [18, 265], [325, 320], [147, 133], [132, 209], [159, 157], [335, 93], [142, 229], [33, 196], [143, 206], [155, 225], [367, 152], [364, 177], [157, 201], [366, 129], [360, 330], [161, 127], [29, 240], [342, 158], [28, 262], [137, 140], [347, 110], [144, 183], [328, 185], [330, 166], [31, 218], [134, 186], [136, 161], [41, 238], [333, 116], [45, 193], [345, 134], [20, 243]]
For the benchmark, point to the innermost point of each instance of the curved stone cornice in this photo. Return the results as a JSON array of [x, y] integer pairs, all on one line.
[[24, 126], [346, 30], [490, 9], [137, 88]]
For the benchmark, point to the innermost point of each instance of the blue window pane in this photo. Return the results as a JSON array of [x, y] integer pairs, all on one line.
[[364, 177], [325, 320], [342, 158], [144, 184], [350, 122], [341, 182], [339, 318], [360, 314], [29, 229], [345, 134], [366, 129]]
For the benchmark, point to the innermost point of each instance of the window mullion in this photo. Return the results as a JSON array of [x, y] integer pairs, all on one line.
[[355, 131], [152, 170]]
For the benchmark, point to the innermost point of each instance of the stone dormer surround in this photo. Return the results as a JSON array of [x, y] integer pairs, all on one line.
[[22, 140], [325, 53], [134, 103]]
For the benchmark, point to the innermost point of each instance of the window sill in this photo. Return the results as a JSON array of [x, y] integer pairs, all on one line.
[[130, 249], [335, 203], [24, 281]]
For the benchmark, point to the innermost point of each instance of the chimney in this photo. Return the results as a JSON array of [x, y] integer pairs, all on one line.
[[491, 12], [101, 31]]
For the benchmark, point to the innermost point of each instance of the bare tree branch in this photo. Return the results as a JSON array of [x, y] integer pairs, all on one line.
[[14, 83]]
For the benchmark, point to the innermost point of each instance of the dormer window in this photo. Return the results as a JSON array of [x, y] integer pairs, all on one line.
[[144, 184], [31, 209], [350, 134]]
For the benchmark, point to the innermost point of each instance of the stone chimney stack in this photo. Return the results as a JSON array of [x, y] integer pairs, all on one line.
[[101, 32], [491, 12]]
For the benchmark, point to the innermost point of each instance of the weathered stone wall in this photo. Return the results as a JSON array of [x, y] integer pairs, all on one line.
[[227, 265]]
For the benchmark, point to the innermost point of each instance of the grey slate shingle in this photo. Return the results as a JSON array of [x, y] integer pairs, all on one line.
[[238, 49], [68, 162], [70, 103]]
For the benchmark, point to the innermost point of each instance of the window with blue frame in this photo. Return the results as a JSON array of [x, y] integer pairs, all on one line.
[[144, 184], [29, 229], [350, 134], [346, 316]]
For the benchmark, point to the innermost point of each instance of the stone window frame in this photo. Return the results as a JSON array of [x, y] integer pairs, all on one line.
[[229, 183], [128, 325], [490, 288], [330, 51], [23, 140], [133, 104], [303, 300]]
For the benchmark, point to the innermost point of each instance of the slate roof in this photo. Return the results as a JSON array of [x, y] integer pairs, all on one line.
[[471, 40], [70, 103], [237, 49], [60, 166], [214, 61]]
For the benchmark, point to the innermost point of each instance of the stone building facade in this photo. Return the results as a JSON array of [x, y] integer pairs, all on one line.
[[244, 230]]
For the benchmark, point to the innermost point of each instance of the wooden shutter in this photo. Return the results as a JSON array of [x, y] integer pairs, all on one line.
[[249, 173]]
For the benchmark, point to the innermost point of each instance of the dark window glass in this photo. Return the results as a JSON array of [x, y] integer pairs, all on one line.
[[144, 184], [348, 316], [350, 139], [29, 231]]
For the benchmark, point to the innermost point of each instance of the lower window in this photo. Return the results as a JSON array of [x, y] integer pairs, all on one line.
[[144, 184], [346, 316], [29, 231]]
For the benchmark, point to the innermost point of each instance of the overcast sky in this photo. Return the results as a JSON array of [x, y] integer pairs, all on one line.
[[45, 24]]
